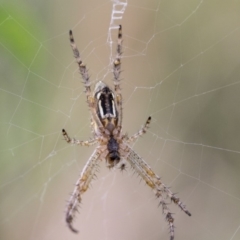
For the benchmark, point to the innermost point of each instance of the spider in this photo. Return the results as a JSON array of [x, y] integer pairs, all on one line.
[[105, 106]]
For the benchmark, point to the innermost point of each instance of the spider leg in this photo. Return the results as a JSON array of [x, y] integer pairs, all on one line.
[[81, 186], [146, 168], [154, 181], [116, 74], [86, 81], [77, 142], [82, 68], [141, 131]]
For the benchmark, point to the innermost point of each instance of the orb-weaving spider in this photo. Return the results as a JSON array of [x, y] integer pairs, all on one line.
[[106, 119]]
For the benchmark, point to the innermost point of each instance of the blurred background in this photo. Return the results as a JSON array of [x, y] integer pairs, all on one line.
[[180, 64]]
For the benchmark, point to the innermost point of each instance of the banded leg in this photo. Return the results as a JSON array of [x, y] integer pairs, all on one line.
[[142, 131], [82, 68], [116, 73], [146, 168], [77, 142], [160, 190], [86, 81], [81, 186]]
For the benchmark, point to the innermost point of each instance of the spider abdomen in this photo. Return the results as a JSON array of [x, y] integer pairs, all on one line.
[[113, 157]]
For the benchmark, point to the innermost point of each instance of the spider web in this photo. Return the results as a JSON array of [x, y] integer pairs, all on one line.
[[180, 65]]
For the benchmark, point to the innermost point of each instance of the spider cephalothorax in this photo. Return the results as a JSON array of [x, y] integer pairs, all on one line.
[[106, 117]]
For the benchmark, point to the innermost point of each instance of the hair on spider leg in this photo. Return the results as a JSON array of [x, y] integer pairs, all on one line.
[[94, 177], [182, 206], [162, 203], [137, 174], [169, 218], [97, 168], [134, 172]]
